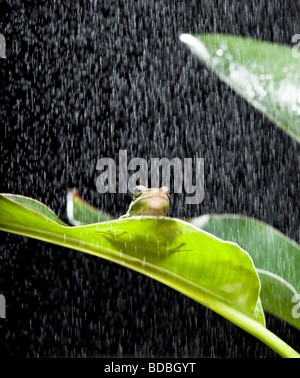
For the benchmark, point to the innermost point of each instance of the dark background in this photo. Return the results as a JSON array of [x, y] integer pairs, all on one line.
[[83, 80]]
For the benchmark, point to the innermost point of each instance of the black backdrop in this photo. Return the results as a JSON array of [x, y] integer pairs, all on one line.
[[83, 80]]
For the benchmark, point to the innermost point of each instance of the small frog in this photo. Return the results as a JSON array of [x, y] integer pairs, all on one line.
[[149, 201]]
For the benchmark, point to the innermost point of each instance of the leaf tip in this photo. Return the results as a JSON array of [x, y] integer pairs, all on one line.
[[195, 45]]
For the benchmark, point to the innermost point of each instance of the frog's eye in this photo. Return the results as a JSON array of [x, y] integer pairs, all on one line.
[[137, 191], [166, 190]]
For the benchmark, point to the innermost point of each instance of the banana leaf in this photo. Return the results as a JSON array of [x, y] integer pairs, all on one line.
[[276, 257], [217, 274], [265, 74]]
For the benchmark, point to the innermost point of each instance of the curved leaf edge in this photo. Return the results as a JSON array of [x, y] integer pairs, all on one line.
[[237, 317], [88, 216], [257, 310]]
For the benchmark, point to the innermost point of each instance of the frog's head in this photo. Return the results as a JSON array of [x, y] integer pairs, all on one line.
[[149, 201]]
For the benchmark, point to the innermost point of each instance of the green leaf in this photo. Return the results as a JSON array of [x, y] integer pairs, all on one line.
[[218, 274], [34, 205], [263, 73], [276, 257], [80, 212], [150, 244]]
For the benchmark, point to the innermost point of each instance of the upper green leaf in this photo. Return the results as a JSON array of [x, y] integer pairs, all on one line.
[[265, 74]]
